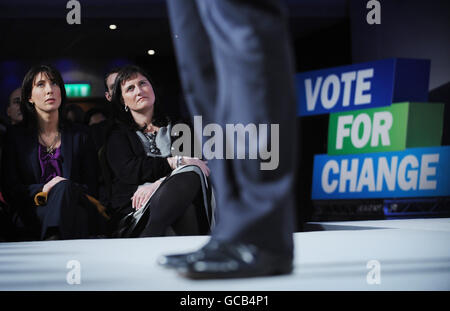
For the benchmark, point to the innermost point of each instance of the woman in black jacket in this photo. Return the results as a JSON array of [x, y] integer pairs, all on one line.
[[49, 165], [152, 191]]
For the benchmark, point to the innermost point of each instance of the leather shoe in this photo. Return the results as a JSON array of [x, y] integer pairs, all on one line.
[[182, 260], [218, 260], [53, 237]]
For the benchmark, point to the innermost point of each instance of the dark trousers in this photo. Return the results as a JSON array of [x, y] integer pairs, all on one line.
[[176, 208], [68, 210], [178, 205], [235, 64]]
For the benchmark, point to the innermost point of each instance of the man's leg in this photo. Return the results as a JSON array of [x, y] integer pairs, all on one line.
[[255, 72], [196, 68], [251, 55], [194, 58]]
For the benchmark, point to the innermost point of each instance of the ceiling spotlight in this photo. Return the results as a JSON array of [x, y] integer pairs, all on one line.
[[112, 27], [151, 52]]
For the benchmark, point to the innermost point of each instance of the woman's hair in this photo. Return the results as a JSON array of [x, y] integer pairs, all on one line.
[[125, 117], [28, 110]]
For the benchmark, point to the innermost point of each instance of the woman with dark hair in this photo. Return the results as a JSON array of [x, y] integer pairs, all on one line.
[[153, 192], [49, 165]]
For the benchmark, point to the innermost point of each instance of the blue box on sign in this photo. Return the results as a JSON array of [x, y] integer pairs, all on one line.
[[414, 172], [361, 86]]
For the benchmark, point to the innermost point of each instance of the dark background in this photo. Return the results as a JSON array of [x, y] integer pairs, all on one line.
[[325, 33]]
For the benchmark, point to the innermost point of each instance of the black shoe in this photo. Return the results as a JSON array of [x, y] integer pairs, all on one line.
[[182, 260], [52, 234], [53, 237], [218, 260]]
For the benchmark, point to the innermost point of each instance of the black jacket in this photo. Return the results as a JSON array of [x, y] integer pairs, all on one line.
[[130, 167], [21, 170]]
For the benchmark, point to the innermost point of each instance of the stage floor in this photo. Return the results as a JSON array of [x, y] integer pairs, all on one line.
[[411, 254]]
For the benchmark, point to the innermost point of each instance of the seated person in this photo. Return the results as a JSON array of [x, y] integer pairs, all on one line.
[[74, 114], [151, 192], [95, 116], [100, 130], [13, 110], [99, 123], [49, 164]]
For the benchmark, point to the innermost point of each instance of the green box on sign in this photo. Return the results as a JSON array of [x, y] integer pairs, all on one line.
[[392, 128]]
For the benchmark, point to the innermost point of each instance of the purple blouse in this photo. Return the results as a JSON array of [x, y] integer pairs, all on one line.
[[50, 163]]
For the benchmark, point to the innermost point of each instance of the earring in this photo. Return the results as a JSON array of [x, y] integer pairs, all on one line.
[[126, 108]]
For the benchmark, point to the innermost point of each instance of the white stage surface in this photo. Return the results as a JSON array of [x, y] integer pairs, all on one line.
[[387, 255]]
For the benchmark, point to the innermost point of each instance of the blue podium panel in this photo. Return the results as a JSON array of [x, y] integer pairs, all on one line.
[[362, 86], [415, 172]]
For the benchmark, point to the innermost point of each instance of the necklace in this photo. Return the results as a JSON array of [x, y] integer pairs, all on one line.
[[51, 148], [151, 137]]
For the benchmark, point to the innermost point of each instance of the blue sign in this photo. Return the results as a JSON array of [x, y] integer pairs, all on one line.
[[362, 86], [415, 172]]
